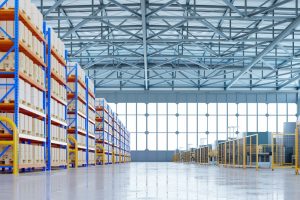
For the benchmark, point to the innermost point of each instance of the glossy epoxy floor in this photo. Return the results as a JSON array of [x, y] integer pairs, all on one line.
[[149, 181]]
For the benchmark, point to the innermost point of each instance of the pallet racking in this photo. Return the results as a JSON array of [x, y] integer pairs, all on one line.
[[22, 70], [56, 144], [112, 138], [103, 136], [77, 114]]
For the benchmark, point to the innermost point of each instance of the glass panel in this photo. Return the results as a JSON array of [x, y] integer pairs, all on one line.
[[202, 108], [162, 123], [131, 108], [121, 108], [222, 108], [152, 123], [262, 123], [172, 124], [162, 141], [202, 124], [172, 141], [232, 108], [282, 109], [141, 141], [212, 108], [262, 109], [152, 141], [162, 108], [212, 123], [182, 141], [222, 124], [151, 108], [242, 124], [192, 123], [292, 118], [141, 108], [292, 109], [252, 121], [272, 123], [131, 123], [242, 108], [172, 108], [272, 108], [192, 108], [182, 108], [141, 123], [281, 120], [212, 138], [133, 141], [202, 139], [182, 124], [252, 108], [222, 136], [192, 140], [232, 122]]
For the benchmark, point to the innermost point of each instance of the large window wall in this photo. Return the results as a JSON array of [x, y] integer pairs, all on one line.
[[171, 126]]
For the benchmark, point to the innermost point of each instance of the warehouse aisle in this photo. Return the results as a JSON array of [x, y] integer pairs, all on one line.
[[152, 181]]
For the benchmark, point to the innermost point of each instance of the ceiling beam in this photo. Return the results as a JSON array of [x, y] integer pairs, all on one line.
[[144, 24], [276, 40], [53, 7]]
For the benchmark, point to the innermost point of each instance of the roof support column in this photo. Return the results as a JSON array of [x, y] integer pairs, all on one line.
[[144, 24]]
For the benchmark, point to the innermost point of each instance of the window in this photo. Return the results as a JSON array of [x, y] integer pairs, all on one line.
[[163, 122], [182, 108], [161, 108], [172, 141], [131, 108], [121, 108], [162, 141], [182, 141], [141, 108], [152, 123], [141, 141], [152, 141], [133, 141]]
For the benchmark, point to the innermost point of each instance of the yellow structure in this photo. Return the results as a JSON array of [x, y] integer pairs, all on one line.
[[72, 150], [13, 143], [241, 152]]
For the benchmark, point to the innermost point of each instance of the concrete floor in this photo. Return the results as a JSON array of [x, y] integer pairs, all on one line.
[[173, 181]]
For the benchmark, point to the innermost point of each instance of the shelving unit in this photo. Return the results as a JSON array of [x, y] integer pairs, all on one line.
[[111, 140], [90, 121], [22, 85], [77, 113], [56, 103], [103, 136]]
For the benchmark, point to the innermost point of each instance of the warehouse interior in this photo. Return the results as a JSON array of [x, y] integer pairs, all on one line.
[[148, 99]]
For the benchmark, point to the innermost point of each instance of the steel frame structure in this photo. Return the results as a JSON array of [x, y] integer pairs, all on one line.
[[11, 44], [50, 120], [182, 44]]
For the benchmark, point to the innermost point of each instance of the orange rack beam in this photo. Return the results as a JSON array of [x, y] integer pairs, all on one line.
[[57, 78], [60, 59], [72, 79], [6, 44], [25, 78]]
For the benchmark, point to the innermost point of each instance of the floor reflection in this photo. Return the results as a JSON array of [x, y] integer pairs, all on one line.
[[165, 181]]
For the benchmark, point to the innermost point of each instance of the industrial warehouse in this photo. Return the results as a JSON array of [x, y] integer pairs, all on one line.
[[147, 99]]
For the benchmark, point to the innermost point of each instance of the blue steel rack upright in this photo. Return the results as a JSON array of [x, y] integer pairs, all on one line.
[[51, 53], [89, 108], [11, 44]]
